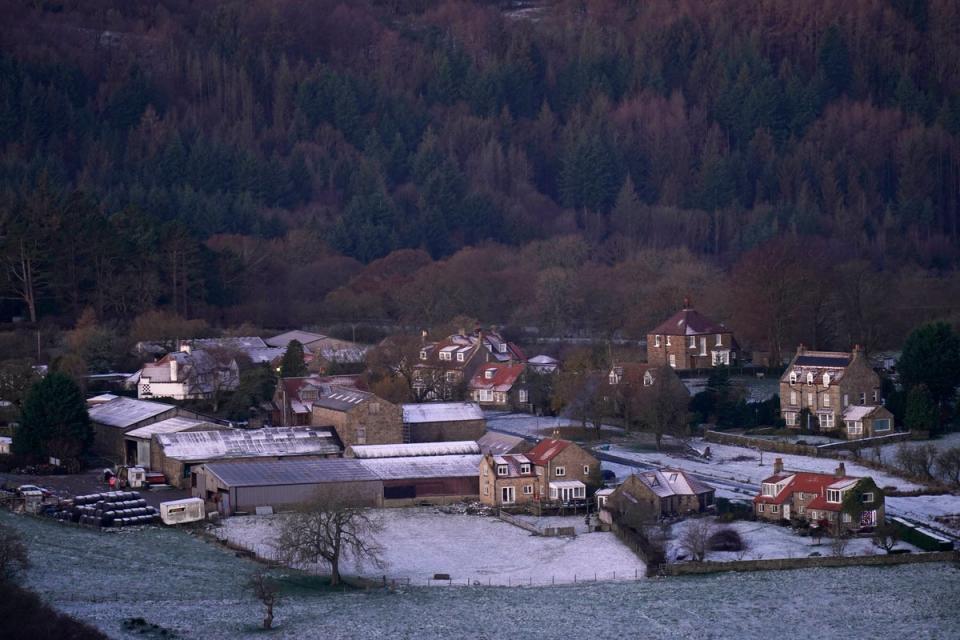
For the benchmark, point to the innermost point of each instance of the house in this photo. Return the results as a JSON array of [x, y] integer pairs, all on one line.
[[230, 487], [690, 340], [821, 499], [177, 454], [113, 419], [649, 496], [442, 422], [500, 386], [359, 417], [508, 480], [321, 351], [294, 397], [835, 388], [446, 367], [495, 443], [636, 374], [189, 374], [565, 470], [543, 364], [137, 443]]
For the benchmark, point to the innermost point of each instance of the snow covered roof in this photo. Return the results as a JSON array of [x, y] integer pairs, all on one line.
[[858, 412], [100, 399], [566, 484], [342, 398], [670, 482], [441, 412], [604, 492], [303, 337], [424, 467], [496, 376], [498, 443], [370, 451], [255, 443], [170, 425], [281, 472], [240, 343], [126, 412], [515, 465]]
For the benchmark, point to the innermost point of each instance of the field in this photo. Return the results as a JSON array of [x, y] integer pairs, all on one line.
[[193, 587]]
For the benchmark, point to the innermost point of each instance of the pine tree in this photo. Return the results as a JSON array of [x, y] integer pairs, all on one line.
[[54, 421], [922, 413], [292, 365]]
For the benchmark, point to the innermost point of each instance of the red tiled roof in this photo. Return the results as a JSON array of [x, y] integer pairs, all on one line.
[[504, 376], [688, 322], [546, 450], [805, 482]]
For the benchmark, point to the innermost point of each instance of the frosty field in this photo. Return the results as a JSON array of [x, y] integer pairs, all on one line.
[[193, 587]]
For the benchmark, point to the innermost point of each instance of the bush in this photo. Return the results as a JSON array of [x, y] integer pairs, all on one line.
[[726, 539]]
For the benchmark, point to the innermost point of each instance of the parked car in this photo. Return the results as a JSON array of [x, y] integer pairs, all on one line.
[[33, 490]]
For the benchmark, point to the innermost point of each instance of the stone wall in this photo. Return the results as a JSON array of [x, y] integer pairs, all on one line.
[[696, 568]]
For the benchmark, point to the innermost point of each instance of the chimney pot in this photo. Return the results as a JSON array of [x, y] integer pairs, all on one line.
[[841, 470], [777, 465]]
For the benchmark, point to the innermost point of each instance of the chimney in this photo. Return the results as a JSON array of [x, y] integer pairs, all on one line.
[[777, 466], [185, 347], [173, 369], [856, 352], [841, 470], [801, 349], [423, 337]]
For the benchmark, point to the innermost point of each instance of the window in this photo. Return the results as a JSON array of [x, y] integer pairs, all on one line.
[[693, 342], [793, 398], [559, 471], [647, 379], [444, 355], [768, 489], [486, 470], [586, 469], [613, 378], [846, 400], [522, 395], [579, 492], [656, 341], [883, 424], [801, 509], [790, 418], [866, 498], [486, 490], [847, 518], [525, 468], [863, 397], [601, 501], [719, 340], [528, 489], [459, 357], [810, 400], [374, 407], [361, 435], [423, 354], [507, 495], [760, 508], [809, 378], [876, 396], [673, 361], [826, 421], [502, 470], [834, 495], [774, 508], [488, 374], [793, 377], [854, 427], [451, 376], [826, 379], [503, 347], [668, 341], [553, 493], [826, 399]]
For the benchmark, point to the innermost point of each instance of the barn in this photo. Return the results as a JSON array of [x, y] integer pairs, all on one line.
[[443, 422], [426, 479], [113, 419], [138, 442], [240, 487]]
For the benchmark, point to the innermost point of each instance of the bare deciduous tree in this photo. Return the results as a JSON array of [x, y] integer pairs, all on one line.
[[948, 465], [326, 530], [917, 460], [695, 538], [663, 406], [839, 542], [886, 536], [267, 591]]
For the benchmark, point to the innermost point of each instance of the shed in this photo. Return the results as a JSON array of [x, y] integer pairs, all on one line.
[[114, 418], [138, 441], [176, 454], [231, 487], [443, 422], [434, 479]]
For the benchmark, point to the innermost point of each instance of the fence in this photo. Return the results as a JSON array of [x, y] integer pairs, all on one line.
[[697, 568]]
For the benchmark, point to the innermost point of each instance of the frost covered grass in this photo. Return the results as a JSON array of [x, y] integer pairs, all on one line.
[[766, 541], [182, 583], [420, 542]]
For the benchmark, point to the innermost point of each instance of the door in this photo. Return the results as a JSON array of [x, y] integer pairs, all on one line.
[[786, 512], [223, 503], [507, 495]]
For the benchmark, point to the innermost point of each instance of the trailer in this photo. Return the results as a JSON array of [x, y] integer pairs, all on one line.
[[181, 511]]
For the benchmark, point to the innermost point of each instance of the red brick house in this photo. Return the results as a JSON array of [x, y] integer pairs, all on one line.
[[822, 499], [690, 340]]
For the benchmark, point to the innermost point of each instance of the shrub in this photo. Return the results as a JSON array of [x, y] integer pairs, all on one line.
[[726, 539]]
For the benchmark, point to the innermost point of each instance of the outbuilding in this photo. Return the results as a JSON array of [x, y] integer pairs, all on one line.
[[113, 419], [443, 422], [138, 442], [426, 479]]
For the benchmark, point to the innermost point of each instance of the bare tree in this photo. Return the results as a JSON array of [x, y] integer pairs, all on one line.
[[267, 591], [14, 559], [695, 538], [886, 536], [839, 542], [326, 530], [948, 465], [917, 460], [663, 406]]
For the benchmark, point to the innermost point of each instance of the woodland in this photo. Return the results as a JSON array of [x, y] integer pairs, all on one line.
[[792, 167]]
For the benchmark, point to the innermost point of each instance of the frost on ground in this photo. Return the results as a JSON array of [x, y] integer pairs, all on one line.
[[925, 508], [524, 424], [182, 583], [420, 542], [766, 541]]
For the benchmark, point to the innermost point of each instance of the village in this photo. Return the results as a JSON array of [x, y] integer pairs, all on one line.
[[477, 484]]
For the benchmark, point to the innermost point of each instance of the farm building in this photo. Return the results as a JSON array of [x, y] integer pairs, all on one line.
[[433, 479], [113, 419], [443, 422], [176, 454], [371, 451], [137, 443], [359, 417], [497, 444], [232, 487]]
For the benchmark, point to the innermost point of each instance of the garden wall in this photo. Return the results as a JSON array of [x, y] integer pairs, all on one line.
[[697, 568]]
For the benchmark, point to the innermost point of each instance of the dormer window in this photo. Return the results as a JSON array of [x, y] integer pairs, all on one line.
[[488, 374], [525, 468], [793, 377], [809, 378], [834, 495], [826, 379], [423, 354], [501, 469], [460, 357], [503, 347], [647, 379], [613, 378], [444, 355], [768, 489]]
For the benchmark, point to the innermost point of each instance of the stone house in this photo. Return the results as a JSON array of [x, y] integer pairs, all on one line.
[[690, 340], [821, 499], [500, 386], [650, 496], [509, 480], [443, 422], [189, 374], [293, 398], [359, 417], [446, 367], [829, 385], [564, 469]]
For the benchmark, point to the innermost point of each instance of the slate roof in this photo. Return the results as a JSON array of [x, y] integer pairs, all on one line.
[[441, 412], [126, 412], [546, 450], [342, 398], [671, 482], [818, 363], [371, 451], [303, 337], [513, 463], [688, 322], [193, 446], [498, 443], [284, 472]]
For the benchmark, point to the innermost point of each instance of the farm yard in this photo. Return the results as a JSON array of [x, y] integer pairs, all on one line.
[[108, 578]]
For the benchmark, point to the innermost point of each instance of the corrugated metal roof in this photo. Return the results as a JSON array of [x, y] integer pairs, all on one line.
[[170, 425], [126, 412], [193, 446], [424, 467], [282, 472], [441, 412], [370, 451]]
